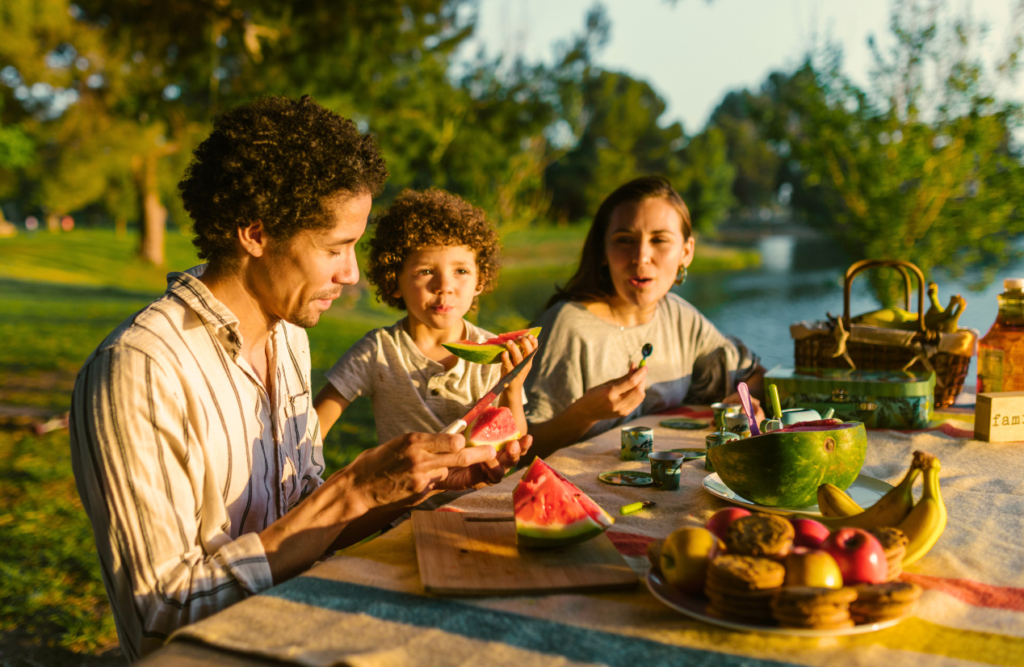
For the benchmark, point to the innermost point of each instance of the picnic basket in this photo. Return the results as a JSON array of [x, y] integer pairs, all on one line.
[[838, 343]]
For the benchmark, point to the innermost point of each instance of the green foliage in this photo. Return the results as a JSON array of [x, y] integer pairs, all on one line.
[[622, 139], [925, 175], [16, 148], [757, 165]]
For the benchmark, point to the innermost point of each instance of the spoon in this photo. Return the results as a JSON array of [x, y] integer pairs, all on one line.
[[769, 425], [748, 407], [646, 351], [773, 391]]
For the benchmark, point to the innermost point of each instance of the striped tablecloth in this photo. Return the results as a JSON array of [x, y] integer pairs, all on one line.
[[366, 606]]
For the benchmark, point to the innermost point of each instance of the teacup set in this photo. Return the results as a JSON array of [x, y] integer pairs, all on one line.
[[666, 467]]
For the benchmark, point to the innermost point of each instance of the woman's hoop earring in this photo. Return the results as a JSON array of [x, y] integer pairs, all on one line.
[[681, 277]]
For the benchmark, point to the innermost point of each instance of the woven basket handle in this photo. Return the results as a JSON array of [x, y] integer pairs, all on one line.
[[899, 265]]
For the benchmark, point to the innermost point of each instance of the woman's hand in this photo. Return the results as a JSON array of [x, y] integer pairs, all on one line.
[[516, 351], [734, 399], [615, 398]]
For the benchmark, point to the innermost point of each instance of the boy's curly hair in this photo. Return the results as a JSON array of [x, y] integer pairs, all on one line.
[[279, 161], [418, 220]]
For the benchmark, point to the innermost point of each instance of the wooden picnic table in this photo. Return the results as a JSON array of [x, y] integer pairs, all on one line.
[[366, 605]]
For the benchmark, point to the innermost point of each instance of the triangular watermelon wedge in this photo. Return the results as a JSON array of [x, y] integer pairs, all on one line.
[[552, 512], [489, 351]]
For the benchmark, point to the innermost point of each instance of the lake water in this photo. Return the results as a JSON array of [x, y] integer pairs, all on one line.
[[802, 280]]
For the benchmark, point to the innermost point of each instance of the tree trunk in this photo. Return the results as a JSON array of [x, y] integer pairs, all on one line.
[[121, 227], [152, 212], [53, 223]]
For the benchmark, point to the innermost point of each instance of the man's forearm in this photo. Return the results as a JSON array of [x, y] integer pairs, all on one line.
[[296, 540]]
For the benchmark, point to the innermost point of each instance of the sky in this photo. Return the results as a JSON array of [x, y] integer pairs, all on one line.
[[694, 51]]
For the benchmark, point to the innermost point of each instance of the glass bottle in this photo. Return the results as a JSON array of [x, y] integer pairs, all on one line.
[[1001, 351]]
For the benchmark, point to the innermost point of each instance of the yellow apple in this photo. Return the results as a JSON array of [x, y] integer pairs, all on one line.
[[812, 567], [685, 557]]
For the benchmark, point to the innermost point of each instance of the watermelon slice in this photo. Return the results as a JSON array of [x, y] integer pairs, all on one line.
[[495, 427], [551, 512], [489, 351]]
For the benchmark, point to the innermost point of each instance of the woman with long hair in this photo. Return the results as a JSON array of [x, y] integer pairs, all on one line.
[[639, 245]]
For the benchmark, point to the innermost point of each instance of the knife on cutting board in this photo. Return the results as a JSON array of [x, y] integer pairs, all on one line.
[[459, 425]]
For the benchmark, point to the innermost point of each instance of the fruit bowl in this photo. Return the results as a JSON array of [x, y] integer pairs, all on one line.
[[695, 606], [785, 468]]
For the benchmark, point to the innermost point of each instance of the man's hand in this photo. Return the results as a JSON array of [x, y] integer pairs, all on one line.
[[409, 468], [615, 398], [484, 474]]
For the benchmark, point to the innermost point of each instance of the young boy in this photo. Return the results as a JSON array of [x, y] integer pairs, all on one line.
[[432, 254]]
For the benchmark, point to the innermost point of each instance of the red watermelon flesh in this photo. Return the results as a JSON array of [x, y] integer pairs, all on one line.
[[505, 337], [552, 512], [819, 425], [495, 427]]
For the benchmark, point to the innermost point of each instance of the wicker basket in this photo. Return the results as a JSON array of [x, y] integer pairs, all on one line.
[[819, 351]]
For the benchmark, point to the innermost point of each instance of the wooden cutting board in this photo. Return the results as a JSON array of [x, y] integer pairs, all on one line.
[[476, 554]]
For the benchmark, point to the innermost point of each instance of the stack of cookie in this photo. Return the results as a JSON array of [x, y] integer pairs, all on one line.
[[741, 588], [883, 602], [895, 544], [813, 608], [760, 535]]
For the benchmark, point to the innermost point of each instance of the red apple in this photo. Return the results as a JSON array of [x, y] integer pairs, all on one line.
[[720, 520], [859, 554], [812, 567], [809, 533]]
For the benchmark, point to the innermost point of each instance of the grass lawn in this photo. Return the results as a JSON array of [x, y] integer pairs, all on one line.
[[60, 295]]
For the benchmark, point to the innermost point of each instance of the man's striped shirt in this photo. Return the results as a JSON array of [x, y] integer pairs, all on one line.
[[181, 457]]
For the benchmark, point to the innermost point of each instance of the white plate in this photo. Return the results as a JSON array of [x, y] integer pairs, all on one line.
[[865, 491], [694, 606]]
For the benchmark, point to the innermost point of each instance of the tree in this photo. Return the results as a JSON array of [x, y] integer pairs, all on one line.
[[926, 174], [147, 80]]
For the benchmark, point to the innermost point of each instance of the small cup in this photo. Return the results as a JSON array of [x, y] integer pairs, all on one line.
[[637, 443], [791, 416], [738, 424], [666, 468]]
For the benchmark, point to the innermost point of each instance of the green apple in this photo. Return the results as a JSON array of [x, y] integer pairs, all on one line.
[[812, 567], [685, 557]]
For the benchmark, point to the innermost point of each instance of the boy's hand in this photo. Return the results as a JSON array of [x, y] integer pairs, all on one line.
[[516, 351]]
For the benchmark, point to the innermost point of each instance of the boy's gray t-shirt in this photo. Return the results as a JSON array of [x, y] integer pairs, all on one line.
[[409, 392], [692, 361]]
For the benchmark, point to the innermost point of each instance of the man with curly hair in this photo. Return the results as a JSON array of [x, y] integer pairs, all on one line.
[[195, 447], [432, 254]]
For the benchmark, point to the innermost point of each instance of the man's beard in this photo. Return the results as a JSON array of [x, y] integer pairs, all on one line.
[[307, 319]]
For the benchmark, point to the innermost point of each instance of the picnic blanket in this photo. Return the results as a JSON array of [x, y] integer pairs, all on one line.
[[366, 605]]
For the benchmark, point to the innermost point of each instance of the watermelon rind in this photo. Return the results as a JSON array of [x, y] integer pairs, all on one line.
[[785, 468], [535, 536], [477, 353]]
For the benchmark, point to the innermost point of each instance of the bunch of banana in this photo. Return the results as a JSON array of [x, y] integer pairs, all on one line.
[[922, 522], [840, 510], [927, 520]]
